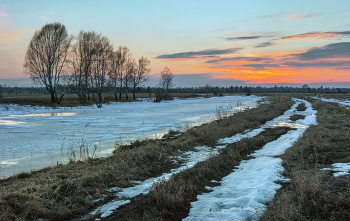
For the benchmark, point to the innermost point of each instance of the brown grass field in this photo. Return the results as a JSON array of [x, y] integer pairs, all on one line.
[[72, 100], [67, 192]]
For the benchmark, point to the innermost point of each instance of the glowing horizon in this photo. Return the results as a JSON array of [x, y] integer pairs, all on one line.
[[265, 42]]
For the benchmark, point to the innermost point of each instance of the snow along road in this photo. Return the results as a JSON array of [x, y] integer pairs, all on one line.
[[203, 153], [34, 138], [343, 103], [243, 194]]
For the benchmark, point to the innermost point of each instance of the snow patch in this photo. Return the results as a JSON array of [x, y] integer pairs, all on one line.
[[244, 193], [344, 103], [144, 187], [341, 169]]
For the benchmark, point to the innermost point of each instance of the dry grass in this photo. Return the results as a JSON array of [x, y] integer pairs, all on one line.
[[65, 191], [301, 107], [72, 100], [345, 96], [171, 200], [68, 191], [296, 117], [313, 194]]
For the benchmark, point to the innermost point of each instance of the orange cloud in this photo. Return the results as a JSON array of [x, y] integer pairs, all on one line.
[[295, 15], [275, 67], [320, 35], [9, 35], [44, 18]]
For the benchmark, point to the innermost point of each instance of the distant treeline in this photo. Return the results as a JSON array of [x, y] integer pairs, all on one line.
[[205, 89]]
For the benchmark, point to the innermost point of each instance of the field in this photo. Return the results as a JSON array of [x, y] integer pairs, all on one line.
[[264, 163], [72, 100]]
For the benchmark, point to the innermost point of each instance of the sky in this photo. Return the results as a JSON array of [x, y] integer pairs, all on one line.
[[220, 43]]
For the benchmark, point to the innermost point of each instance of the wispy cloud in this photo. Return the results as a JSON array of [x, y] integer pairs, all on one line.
[[312, 35], [322, 35], [243, 38], [262, 59], [337, 64], [3, 9], [44, 18], [297, 15], [266, 44], [286, 16], [335, 50], [260, 66], [9, 35], [208, 53]]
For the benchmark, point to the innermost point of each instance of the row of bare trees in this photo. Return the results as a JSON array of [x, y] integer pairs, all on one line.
[[84, 64]]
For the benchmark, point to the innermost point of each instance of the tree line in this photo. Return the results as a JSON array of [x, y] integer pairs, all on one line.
[[84, 65], [215, 90]]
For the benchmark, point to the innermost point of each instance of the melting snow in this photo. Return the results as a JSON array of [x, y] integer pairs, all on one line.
[[205, 153], [341, 169], [244, 193], [144, 187], [345, 103]]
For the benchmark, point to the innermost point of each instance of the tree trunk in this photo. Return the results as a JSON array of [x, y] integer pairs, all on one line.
[[53, 100], [100, 100], [83, 98], [133, 96], [116, 96], [59, 100]]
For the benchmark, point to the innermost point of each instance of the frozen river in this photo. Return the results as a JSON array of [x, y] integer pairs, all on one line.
[[34, 138]]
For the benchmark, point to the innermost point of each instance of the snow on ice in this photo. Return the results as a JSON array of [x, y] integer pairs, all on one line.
[[37, 137]]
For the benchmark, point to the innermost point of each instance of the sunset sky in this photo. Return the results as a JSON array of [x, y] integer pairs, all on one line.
[[220, 43]]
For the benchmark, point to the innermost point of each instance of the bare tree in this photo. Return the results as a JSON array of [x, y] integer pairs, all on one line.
[[139, 75], [118, 70], [47, 55], [130, 68], [81, 63], [102, 62], [166, 82]]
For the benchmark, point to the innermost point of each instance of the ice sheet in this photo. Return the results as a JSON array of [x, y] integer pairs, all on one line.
[[37, 137]]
